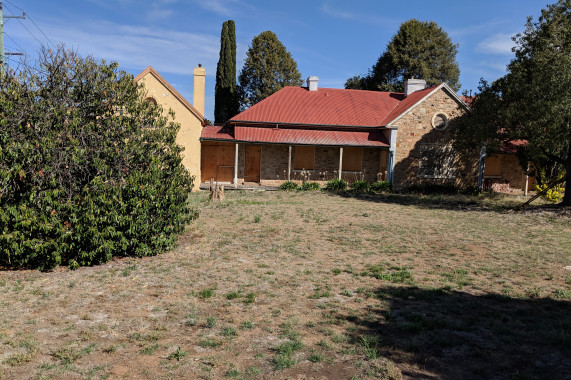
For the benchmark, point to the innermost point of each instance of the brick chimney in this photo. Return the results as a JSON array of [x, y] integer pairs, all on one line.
[[412, 85], [312, 83], [199, 83]]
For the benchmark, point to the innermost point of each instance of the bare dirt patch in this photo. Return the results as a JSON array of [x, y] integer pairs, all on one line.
[[309, 286]]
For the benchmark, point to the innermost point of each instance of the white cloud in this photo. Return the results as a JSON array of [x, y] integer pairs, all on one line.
[[476, 29], [379, 21], [217, 6], [500, 43], [497, 66], [325, 8], [135, 47]]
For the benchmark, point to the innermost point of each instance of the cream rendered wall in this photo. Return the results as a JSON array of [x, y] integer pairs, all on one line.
[[190, 126]]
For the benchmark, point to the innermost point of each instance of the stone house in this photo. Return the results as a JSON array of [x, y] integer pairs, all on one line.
[[317, 134]]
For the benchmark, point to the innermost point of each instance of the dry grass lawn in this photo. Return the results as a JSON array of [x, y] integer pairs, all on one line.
[[282, 285]]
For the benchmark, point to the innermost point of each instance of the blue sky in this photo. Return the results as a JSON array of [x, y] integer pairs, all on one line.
[[331, 39]]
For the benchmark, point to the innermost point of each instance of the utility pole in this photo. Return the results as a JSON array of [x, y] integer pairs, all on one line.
[[3, 54]]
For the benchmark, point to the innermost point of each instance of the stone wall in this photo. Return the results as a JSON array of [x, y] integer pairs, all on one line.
[[415, 129], [510, 172], [274, 165], [372, 163], [327, 161]]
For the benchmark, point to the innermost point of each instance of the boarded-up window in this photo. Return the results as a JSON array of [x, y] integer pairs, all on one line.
[[217, 162], [303, 157], [352, 159], [493, 166], [437, 161]]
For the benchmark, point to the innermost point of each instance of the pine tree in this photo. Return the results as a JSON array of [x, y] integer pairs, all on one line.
[[419, 50], [225, 92], [268, 68]]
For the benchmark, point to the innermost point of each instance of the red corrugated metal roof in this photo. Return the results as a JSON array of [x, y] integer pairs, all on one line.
[[326, 106], [295, 136], [310, 136], [467, 99], [215, 132], [512, 146]]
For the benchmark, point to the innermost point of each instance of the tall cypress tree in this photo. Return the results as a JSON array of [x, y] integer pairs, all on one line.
[[225, 97]]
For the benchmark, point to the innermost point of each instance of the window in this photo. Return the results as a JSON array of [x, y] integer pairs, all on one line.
[[493, 166], [352, 159], [303, 157], [437, 161], [440, 121], [151, 101]]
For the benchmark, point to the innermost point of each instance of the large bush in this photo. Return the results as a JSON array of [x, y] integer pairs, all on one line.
[[336, 185], [289, 186], [381, 187], [88, 170], [310, 186], [360, 186]]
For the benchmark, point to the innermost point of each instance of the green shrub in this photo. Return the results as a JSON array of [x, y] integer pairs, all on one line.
[[289, 186], [381, 187], [336, 185], [310, 186], [555, 194], [360, 186], [88, 169]]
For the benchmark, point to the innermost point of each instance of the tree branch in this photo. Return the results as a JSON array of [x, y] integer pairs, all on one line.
[[555, 158]]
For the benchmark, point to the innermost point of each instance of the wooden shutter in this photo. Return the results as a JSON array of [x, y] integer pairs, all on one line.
[[303, 157], [352, 159]]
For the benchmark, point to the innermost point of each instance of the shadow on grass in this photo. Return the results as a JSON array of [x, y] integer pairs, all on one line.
[[486, 202], [455, 335]]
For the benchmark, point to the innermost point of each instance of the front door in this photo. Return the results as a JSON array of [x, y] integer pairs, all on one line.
[[225, 163], [252, 169]]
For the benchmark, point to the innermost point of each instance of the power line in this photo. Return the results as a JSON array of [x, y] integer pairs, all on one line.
[[33, 22], [31, 34], [15, 42], [3, 53], [41, 31], [14, 5], [26, 65], [21, 48]]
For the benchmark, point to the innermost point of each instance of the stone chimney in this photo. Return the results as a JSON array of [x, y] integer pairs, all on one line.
[[199, 83], [312, 83], [412, 85]]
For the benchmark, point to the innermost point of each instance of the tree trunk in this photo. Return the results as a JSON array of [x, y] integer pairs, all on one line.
[[216, 192], [567, 197]]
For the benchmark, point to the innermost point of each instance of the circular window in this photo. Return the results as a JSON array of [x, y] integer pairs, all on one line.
[[151, 101], [439, 121]]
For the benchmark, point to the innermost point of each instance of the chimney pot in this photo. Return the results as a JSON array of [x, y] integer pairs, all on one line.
[[412, 85], [312, 82]]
